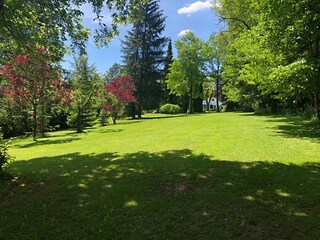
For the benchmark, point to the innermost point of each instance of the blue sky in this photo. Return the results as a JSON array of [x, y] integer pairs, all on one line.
[[181, 16]]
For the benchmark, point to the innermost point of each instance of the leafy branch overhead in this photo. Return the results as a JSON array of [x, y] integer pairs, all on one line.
[[26, 24]]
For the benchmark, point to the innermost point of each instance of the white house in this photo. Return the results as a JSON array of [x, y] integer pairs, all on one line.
[[212, 105]]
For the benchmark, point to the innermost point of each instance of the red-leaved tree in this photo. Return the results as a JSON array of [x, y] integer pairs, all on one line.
[[122, 89], [32, 79], [63, 93]]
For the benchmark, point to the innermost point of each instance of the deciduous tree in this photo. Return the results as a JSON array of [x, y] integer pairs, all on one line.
[[186, 74], [274, 50], [25, 24], [32, 81], [122, 89]]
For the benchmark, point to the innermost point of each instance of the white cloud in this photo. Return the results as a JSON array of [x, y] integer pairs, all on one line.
[[184, 32], [195, 7]]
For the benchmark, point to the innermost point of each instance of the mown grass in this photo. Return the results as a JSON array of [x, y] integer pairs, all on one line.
[[209, 176]]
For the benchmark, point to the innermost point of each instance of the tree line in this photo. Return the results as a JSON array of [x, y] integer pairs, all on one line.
[[267, 58], [272, 58], [38, 95]]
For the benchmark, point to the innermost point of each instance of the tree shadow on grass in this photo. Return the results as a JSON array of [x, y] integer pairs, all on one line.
[[294, 127], [165, 195], [165, 116], [109, 130], [298, 128], [48, 141]]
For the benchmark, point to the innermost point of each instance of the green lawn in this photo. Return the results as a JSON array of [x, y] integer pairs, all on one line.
[[209, 176]]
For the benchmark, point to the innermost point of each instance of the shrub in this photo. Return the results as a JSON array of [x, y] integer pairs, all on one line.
[[170, 109], [4, 156], [309, 113]]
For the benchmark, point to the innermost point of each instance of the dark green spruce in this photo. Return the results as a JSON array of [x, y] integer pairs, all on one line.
[[143, 56]]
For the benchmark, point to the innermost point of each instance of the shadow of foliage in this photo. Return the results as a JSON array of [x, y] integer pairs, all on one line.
[[165, 195], [165, 116], [109, 130], [48, 141], [296, 127], [293, 126]]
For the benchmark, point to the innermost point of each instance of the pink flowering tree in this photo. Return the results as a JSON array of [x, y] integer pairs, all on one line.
[[122, 89], [32, 79]]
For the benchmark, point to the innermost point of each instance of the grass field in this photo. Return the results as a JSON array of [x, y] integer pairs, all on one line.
[[208, 176]]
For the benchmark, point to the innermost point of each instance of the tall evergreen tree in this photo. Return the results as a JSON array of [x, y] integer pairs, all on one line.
[[116, 70], [84, 82], [170, 98], [143, 54]]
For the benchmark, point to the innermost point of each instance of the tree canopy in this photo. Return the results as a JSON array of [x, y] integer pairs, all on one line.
[[273, 52], [186, 76], [33, 23]]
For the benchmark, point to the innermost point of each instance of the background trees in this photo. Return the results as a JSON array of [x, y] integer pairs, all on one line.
[[186, 76], [273, 53], [143, 54], [213, 61], [114, 71], [169, 98], [267, 58], [84, 83]]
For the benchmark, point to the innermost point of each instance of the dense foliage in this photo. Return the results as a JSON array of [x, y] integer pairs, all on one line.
[[266, 59], [32, 81], [273, 53], [4, 156], [84, 84], [122, 90], [143, 55], [186, 76], [30, 23]]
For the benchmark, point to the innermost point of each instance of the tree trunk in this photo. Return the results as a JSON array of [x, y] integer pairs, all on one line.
[[79, 124], [114, 118], [191, 101], [317, 106], [34, 121], [217, 95], [42, 120], [132, 109], [208, 105], [317, 77], [139, 110]]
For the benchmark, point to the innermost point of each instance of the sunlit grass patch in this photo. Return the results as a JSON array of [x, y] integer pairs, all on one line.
[[206, 176]]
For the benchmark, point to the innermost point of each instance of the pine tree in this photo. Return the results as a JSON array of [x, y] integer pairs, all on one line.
[[169, 98], [143, 55], [84, 81]]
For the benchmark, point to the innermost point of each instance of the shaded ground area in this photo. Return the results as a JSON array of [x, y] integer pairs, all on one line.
[[165, 195], [296, 127]]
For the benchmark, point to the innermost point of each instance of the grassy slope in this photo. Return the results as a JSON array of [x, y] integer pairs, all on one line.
[[203, 176], [228, 136]]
